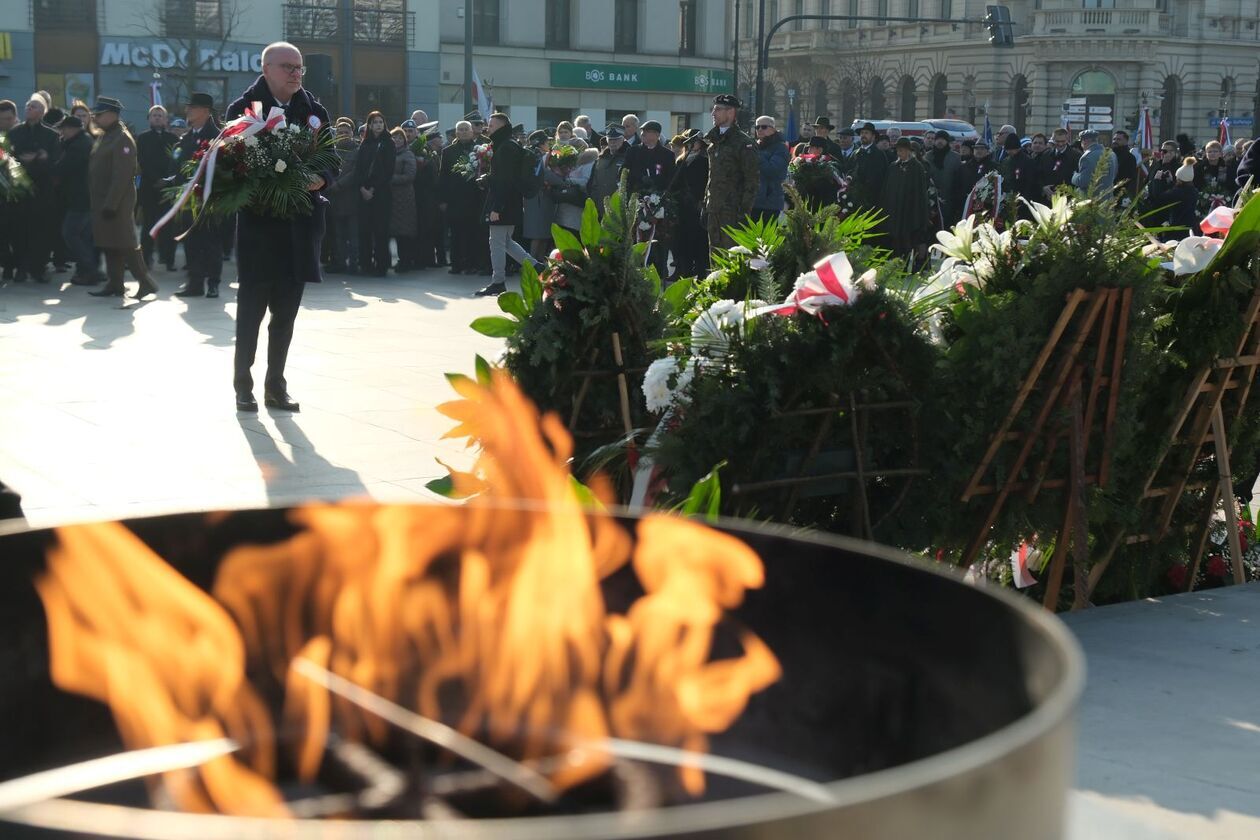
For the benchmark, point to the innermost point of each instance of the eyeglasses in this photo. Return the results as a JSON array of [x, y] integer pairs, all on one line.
[[760, 127], [292, 69]]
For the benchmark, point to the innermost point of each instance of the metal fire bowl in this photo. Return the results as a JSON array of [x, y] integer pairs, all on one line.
[[928, 708]]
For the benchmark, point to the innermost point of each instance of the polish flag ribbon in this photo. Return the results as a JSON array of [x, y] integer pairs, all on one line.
[[831, 283], [247, 125], [1218, 221], [1019, 567]]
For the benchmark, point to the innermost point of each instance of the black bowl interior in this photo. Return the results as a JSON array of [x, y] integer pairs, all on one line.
[[884, 662]]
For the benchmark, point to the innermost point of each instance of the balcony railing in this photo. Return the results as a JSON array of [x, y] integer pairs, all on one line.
[[309, 22], [1102, 22], [77, 15]]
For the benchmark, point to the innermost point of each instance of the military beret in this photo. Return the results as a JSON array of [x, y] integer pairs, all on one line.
[[651, 125], [726, 100]]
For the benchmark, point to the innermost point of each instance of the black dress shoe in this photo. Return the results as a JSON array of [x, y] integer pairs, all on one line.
[[246, 402], [107, 292], [281, 401], [212, 291], [145, 290], [492, 289], [190, 290]]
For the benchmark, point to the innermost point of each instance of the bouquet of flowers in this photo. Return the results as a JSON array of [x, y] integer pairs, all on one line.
[[816, 176], [476, 163], [563, 158], [263, 164], [655, 215], [424, 155], [14, 182]]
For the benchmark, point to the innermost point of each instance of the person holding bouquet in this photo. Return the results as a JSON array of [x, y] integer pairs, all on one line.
[[112, 172], [374, 169], [203, 246], [277, 256], [651, 168], [462, 200]]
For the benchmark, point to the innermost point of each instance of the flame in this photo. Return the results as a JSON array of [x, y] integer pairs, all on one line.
[[488, 617]]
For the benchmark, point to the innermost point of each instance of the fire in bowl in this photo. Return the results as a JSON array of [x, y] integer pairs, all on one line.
[[376, 671]]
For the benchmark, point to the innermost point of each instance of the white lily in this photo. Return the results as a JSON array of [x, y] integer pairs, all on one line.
[[958, 243], [1194, 253], [1055, 216]]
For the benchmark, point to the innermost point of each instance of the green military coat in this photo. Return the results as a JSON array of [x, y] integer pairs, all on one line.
[[734, 173], [112, 186]]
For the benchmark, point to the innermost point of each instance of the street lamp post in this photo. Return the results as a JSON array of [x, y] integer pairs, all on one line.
[[468, 57]]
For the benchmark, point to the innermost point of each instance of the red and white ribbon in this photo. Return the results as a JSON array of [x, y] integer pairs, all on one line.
[[246, 125], [1220, 220], [1022, 577], [831, 283]]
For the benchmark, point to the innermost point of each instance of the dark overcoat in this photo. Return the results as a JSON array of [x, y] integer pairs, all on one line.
[[281, 249], [503, 187]]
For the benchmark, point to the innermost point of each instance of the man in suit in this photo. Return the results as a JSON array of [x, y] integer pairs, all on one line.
[[36, 147], [1058, 163], [156, 166], [462, 200], [203, 246], [276, 258]]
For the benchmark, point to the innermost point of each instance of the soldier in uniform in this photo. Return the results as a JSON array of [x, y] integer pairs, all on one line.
[[203, 246], [155, 148], [734, 172], [112, 192]]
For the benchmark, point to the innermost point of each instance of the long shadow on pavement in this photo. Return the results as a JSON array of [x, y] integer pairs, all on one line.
[[307, 475]]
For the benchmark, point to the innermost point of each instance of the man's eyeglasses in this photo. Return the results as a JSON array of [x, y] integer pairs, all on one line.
[[292, 69], [766, 127]]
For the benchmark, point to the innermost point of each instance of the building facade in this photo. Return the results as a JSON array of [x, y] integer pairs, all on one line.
[[544, 61], [1096, 61], [361, 55]]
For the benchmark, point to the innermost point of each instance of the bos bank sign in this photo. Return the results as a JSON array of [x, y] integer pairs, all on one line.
[[161, 55]]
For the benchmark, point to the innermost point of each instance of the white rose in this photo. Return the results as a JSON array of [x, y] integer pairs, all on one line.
[[251, 141], [281, 166]]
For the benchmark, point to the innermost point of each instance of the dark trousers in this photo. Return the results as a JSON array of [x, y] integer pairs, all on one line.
[[76, 232], [153, 208], [431, 238], [281, 296], [469, 237], [9, 253], [344, 232], [406, 251], [374, 233], [203, 249], [36, 217], [118, 261], [227, 234], [690, 246]]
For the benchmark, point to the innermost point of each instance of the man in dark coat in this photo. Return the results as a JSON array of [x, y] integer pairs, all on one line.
[[970, 173], [203, 246], [155, 148], [691, 240], [8, 209], [1126, 165], [462, 203], [1057, 164], [651, 168], [276, 257], [71, 173], [431, 228], [867, 168], [1019, 174], [505, 204], [904, 200], [36, 147], [943, 164]]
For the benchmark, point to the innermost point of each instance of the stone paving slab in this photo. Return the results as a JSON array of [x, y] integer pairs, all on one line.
[[112, 409]]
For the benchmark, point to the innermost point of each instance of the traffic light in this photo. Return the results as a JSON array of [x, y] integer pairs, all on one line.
[[998, 20]]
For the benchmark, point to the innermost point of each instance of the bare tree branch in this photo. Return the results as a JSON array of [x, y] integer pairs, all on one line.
[[197, 30]]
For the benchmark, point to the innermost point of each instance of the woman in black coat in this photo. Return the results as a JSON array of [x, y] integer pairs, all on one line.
[[373, 169], [691, 239]]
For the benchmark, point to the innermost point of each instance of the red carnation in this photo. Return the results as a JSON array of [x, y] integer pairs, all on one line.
[[1216, 566], [1177, 576]]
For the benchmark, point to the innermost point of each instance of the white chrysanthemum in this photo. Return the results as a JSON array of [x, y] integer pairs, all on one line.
[[281, 166], [658, 393]]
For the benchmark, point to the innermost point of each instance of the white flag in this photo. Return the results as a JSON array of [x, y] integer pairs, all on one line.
[[480, 97]]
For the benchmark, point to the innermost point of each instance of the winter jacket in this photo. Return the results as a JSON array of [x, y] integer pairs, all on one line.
[[402, 214], [606, 175], [71, 171], [503, 185], [772, 155]]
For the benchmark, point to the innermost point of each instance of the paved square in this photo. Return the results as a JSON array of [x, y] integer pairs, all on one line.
[[111, 410]]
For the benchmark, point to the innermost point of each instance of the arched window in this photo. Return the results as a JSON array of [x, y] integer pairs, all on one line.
[[877, 99], [1019, 104], [1169, 109], [909, 102], [1093, 82], [848, 103], [940, 96], [821, 107]]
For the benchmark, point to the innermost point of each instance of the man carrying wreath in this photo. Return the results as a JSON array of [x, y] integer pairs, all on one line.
[[276, 257]]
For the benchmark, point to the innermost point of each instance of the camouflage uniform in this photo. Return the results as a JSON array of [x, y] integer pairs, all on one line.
[[734, 173]]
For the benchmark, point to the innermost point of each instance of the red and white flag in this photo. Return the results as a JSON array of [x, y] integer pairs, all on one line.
[[1224, 133], [480, 96], [831, 283], [1019, 566]]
